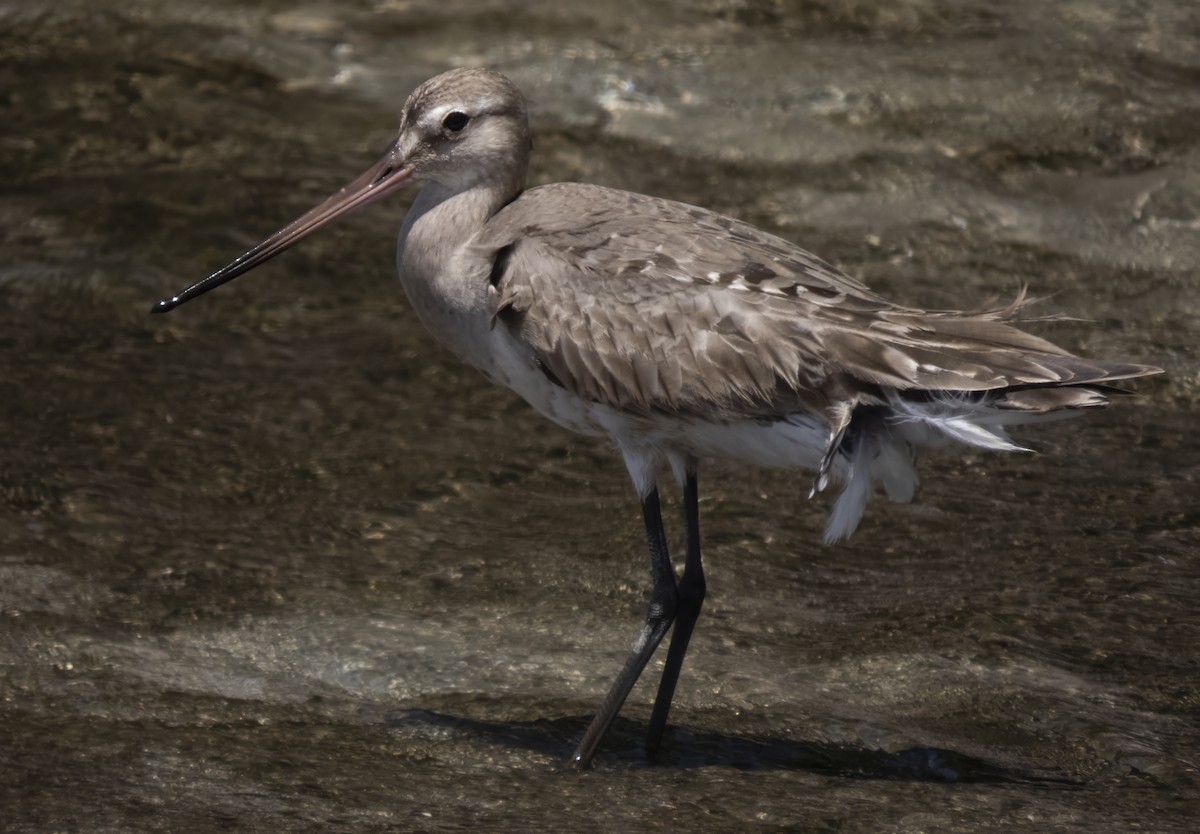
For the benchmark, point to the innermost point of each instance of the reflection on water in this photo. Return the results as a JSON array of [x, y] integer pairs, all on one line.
[[275, 562]]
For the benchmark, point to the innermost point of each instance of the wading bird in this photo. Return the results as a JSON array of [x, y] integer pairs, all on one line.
[[679, 334]]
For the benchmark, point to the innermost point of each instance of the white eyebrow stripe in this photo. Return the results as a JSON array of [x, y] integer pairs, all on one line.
[[434, 115]]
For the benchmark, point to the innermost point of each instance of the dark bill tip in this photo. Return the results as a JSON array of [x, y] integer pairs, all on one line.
[[385, 177]]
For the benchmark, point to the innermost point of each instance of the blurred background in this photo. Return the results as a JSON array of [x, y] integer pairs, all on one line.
[[275, 562]]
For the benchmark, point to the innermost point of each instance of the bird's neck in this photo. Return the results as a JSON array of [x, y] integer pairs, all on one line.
[[442, 219], [444, 277]]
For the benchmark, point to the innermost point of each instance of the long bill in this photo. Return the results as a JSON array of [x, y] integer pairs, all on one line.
[[386, 176]]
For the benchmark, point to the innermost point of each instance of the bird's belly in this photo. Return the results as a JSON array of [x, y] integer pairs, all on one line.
[[793, 441], [508, 365]]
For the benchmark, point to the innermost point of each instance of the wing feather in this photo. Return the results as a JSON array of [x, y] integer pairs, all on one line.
[[654, 306]]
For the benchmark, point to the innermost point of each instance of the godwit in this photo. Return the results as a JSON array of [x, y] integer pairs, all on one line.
[[679, 334]]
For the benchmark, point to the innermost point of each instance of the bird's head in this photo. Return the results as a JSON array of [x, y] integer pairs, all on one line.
[[461, 129]]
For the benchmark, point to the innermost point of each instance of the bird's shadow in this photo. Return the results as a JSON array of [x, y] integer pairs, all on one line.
[[555, 739]]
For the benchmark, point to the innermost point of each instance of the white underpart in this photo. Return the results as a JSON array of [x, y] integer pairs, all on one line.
[[879, 456]]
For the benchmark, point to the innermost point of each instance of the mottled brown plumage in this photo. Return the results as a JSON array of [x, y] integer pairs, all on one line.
[[657, 307], [680, 333]]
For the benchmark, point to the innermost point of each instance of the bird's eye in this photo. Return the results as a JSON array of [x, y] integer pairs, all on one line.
[[456, 121]]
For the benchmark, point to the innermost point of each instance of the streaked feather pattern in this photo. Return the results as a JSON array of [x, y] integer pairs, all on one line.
[[617, 321], [664, 310]]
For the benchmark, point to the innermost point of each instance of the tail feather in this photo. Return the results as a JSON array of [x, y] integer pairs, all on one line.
[[927, 378], [878, 446], [1041, 402]]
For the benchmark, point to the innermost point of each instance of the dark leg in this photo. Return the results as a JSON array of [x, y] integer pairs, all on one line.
[[691, 597], [663, 602]]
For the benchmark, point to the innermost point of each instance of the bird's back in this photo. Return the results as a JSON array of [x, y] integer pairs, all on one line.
[[660, 307]]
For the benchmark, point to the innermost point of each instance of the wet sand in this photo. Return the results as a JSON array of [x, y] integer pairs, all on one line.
[[276, 563]]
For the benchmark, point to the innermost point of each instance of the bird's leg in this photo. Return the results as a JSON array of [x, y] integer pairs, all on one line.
[[663, 603], [691, 597]]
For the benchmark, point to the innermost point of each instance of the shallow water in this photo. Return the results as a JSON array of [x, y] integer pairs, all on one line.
[[274, 562]]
